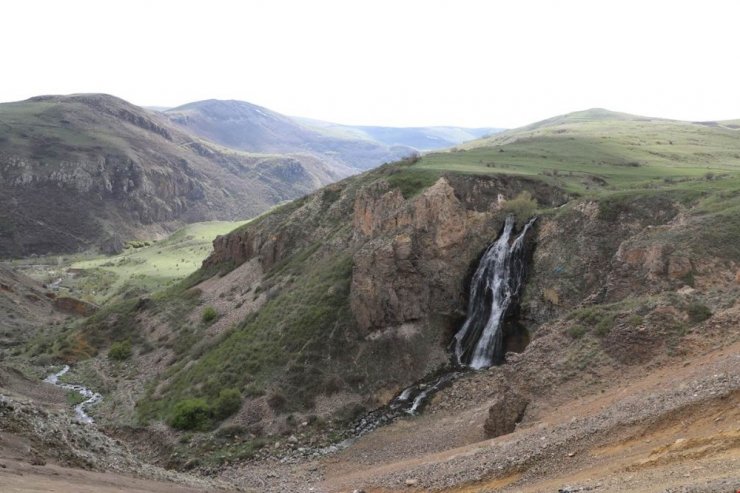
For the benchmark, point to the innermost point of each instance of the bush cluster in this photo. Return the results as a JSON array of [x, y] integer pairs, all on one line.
[[698, 312], [523, 206], [120, 351], [209, 314], [200, 415]]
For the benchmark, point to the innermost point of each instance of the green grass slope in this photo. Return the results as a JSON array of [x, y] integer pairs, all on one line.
[[143, 267], [599, 151]]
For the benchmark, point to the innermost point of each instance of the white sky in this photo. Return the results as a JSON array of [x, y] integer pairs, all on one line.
[[400, 62]]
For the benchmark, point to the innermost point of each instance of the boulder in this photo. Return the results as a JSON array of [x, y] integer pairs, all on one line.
[[505, 412]]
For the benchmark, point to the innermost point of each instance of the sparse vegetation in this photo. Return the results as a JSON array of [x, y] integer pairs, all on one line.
[[698, 312], [576, 331], [287, 333]]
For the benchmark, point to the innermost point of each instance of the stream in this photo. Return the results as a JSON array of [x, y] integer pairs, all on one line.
[[91, 397]]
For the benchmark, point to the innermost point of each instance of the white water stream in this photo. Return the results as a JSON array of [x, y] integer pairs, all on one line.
[[90, 396]]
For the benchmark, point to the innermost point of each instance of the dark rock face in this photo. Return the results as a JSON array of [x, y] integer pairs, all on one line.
[[506, 410], [74, 306]]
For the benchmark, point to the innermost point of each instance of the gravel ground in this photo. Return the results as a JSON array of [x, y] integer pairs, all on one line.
[[560, 440]]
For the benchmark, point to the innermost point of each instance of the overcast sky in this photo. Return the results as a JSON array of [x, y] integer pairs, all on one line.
[[399, 62]]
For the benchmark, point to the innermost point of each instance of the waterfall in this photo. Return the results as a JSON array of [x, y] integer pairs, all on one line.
[[494, 290]]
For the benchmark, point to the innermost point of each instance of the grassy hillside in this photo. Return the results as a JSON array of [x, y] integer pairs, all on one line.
[[247, 127], [86, 171], [599, 151]]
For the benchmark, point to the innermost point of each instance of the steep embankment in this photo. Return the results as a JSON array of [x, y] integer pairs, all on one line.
[[24, 307], [247, 127], [90, 170], [328, 306]]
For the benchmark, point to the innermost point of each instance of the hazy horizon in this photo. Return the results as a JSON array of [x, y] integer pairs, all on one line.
[[413, 63]]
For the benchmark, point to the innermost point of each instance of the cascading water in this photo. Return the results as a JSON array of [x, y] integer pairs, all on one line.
[[494, 293], [494, 290]]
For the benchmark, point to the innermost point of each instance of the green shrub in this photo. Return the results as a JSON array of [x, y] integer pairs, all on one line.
[[254, 390], [191, 414], [604, 325], [523, 206], [576, 331], [698, 312], [120, 351], [411, 182], [209, 314], [228, 402]]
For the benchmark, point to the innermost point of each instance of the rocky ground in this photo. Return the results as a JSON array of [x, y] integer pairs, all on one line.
[[43, 448], [669, 426]]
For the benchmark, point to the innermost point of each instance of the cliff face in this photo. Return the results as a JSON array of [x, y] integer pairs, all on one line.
[[77, 170], [410, 257]]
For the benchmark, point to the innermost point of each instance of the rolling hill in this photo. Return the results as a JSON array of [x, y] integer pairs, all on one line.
[[92, 170], [247, 127], [420, 138]]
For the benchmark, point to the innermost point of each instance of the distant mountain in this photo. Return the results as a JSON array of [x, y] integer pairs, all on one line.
[[248, 127], [89, 170], [420, 138]]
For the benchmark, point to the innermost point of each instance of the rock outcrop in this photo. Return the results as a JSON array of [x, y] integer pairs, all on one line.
[[506, 410], [74, 306]]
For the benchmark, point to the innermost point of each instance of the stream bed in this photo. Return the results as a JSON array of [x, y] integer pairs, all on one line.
[[91, 397]]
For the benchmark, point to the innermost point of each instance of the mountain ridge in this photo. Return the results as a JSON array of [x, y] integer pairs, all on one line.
[[81, 170], [252, 128]]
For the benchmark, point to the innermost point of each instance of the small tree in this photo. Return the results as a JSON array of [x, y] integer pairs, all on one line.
[[523, 206], [120, 350], [191, 414]]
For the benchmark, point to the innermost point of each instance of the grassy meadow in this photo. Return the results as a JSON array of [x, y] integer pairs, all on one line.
[[146, 266], [597, 151]]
